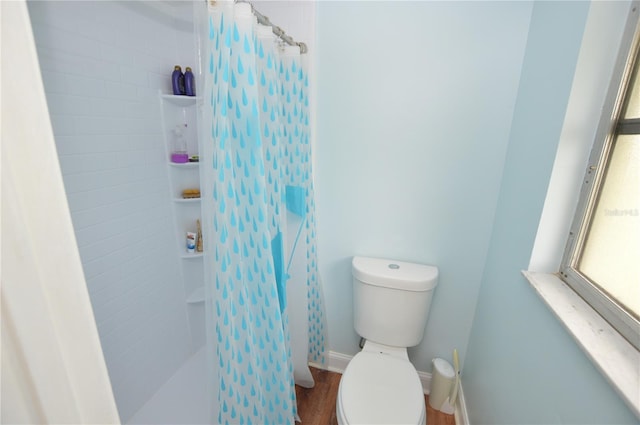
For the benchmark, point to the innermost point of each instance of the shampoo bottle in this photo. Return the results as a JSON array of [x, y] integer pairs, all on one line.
[[177, 80], [189, 84], [179, 153]]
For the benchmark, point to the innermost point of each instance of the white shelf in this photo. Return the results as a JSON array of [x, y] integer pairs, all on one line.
[[180, 100], [187, 256], [185, 164], [186, 201], [196, 296]]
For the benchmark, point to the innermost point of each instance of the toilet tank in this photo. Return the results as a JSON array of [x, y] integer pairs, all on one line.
[[391, 300]]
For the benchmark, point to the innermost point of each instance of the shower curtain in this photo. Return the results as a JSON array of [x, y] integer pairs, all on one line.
[[258, 212]]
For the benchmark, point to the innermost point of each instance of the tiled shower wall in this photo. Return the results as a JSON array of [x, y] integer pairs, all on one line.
[[103, 64]]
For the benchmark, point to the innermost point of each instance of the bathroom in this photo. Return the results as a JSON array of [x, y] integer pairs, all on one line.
[[435, 128]]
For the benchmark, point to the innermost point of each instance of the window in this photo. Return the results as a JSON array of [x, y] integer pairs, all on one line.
[[602, 259]]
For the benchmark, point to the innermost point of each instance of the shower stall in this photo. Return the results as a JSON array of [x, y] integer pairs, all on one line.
[[104, 66]]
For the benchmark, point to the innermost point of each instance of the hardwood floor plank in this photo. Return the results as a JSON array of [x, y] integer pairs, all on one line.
[[436, 417], [317, 405]]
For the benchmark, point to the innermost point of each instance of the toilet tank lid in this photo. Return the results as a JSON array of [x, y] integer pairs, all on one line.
[[395, 274]]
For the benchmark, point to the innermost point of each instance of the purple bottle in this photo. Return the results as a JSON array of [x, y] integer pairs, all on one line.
[[177, 80], [189, 84]]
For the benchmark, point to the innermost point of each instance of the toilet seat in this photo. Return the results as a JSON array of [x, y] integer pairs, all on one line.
[[378, 388]]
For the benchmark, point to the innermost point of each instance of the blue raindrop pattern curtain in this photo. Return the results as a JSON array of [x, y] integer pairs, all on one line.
[[260, 166], [299, 185]]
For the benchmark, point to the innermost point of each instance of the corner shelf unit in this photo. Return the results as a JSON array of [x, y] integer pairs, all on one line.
[[178, 111]]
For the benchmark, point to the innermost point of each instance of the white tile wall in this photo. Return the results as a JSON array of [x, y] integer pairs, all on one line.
[[102, 64]]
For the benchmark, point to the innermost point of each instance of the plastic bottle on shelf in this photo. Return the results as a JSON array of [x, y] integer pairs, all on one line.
[[189, 83], [191, 242], [199, 246], [177, 81], [179, 152]]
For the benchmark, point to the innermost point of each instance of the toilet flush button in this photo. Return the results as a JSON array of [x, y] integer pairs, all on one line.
[[393, 266]]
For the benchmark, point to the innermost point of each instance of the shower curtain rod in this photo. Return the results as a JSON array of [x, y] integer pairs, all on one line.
[[279, 32]]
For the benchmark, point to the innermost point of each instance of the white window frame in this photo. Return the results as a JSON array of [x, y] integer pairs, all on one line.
[[627, 325], [610, 353]]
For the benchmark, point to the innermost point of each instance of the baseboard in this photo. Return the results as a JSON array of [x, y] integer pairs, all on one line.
[[338, 363], [425, 380]]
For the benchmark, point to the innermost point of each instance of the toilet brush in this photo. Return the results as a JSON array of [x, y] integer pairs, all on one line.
[[448, 406]]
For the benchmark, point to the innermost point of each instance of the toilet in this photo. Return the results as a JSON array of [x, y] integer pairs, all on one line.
[[391, 302]]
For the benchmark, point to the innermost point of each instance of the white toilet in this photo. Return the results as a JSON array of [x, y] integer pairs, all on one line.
[[391, 302]]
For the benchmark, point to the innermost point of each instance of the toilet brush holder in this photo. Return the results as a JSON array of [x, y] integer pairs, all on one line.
[[442, 381]]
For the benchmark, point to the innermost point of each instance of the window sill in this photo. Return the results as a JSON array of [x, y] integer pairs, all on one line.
[[613, 355]]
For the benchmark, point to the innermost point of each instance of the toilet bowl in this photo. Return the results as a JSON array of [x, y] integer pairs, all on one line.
[[391, 301], [380, 388]]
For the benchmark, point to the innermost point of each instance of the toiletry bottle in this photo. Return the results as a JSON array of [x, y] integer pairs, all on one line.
[[191, 242], [199, 246], [189, 83], [177, 80], [179, 153]]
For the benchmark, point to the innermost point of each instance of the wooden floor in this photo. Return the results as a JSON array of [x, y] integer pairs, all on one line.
[[317, 405]]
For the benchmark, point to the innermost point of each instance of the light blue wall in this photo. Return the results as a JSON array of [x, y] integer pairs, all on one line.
[[522, 367], [437, 126], [415, 102]]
